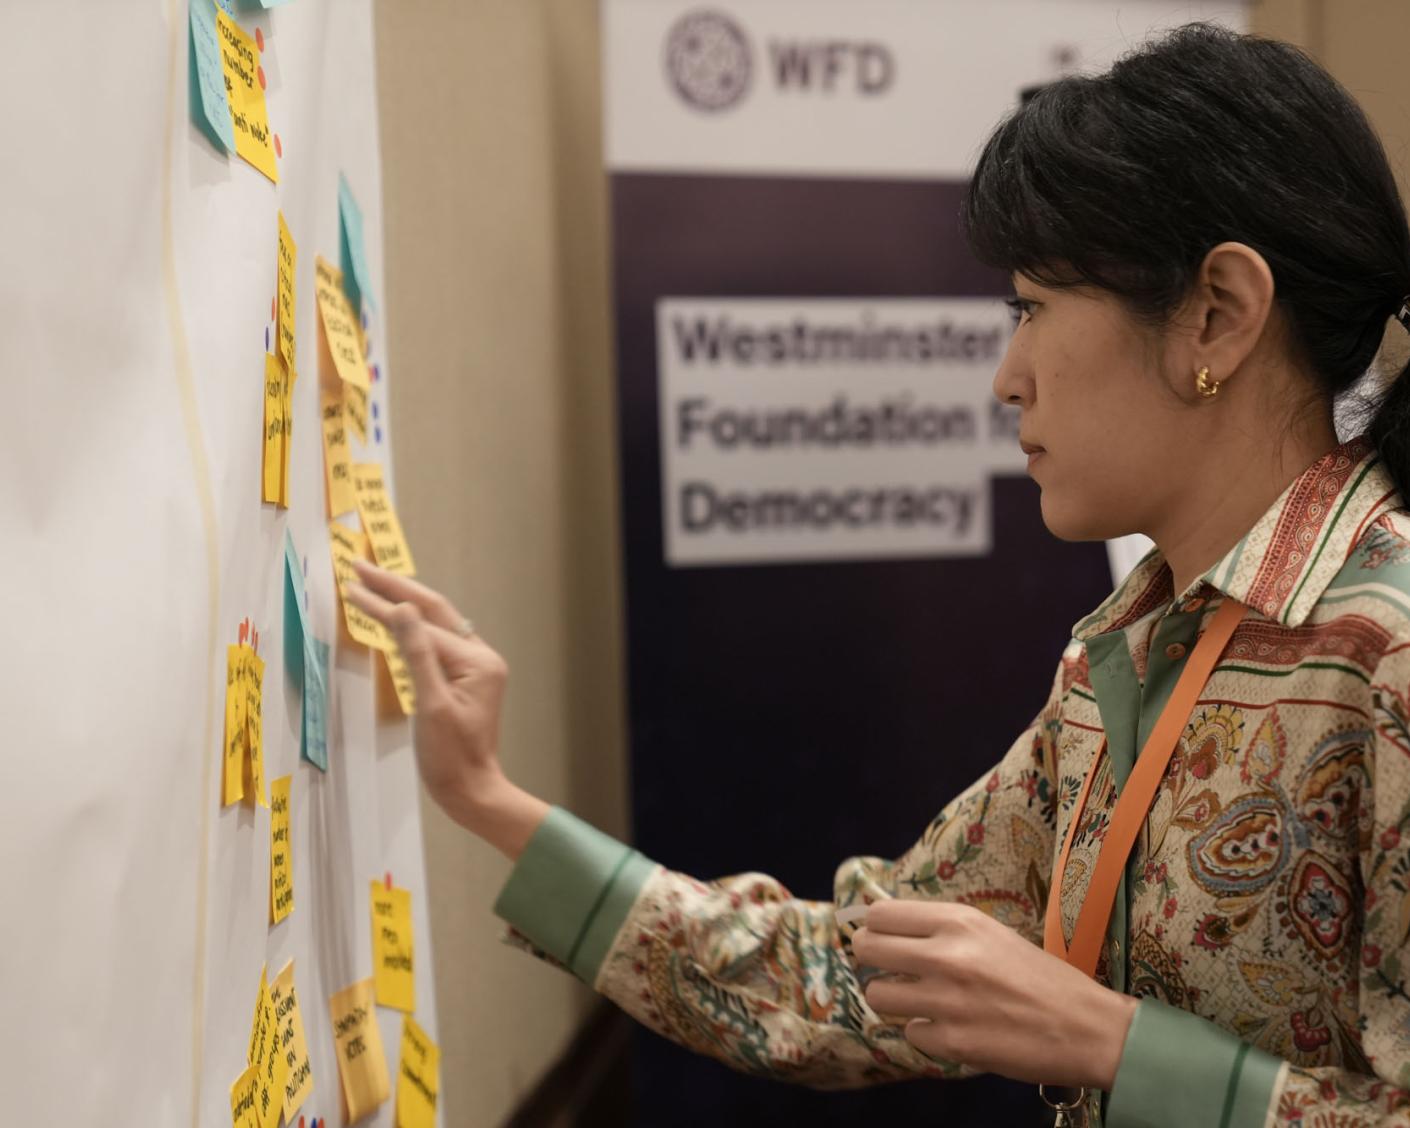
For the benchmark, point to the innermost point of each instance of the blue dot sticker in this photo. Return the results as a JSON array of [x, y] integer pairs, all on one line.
[[374, 410], [377, 434]]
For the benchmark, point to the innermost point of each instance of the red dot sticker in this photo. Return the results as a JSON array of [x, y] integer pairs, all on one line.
[[259, 38], [260, 72], [278, 146]]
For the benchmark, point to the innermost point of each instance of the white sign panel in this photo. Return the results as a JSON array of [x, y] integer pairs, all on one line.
[[894, 88], [830, 429]]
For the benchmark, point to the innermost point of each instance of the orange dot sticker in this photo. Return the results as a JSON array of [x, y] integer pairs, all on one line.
[[278, 146], [259, 38], [260, 72]]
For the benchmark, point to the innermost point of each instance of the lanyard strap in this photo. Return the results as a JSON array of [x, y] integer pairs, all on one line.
[[1133, 805]]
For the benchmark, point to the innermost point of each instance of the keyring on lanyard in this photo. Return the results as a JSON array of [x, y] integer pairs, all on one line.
[[1129, 815]]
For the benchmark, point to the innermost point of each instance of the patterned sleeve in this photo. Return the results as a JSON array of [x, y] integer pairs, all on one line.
[[1247, 1088], [740, 970], [1377, 1093]]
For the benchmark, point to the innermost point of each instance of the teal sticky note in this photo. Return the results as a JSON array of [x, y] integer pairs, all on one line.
[[228, 5], [295, 611], [357, 279], [272, 3], [314, 745], [210, 103]]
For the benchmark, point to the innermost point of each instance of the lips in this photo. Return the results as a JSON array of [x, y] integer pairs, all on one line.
[[1030, 448]]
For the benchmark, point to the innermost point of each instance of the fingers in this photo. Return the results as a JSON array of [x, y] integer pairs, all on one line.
[[384, 611], [900, 917], [897, 999], [435, 608], [414, 640], [412, 633], [905, 954]]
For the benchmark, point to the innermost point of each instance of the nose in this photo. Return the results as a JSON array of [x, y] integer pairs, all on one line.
[[1013, 382]]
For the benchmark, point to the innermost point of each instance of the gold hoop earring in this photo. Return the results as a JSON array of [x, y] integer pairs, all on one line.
[[1203, 386]]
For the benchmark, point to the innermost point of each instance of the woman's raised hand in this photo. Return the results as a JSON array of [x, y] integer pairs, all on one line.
[[460, 683]]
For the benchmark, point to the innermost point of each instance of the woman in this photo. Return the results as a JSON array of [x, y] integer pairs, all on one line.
[[1206, 246]]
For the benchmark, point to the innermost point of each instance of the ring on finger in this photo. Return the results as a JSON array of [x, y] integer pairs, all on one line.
[[466, 628]]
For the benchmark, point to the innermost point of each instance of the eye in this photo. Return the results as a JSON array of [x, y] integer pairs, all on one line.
[[1019, 308]]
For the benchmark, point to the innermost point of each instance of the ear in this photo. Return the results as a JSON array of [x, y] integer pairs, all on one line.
[[1229, 308]]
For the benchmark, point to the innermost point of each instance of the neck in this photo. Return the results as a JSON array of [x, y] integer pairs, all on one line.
[[1230, 495]]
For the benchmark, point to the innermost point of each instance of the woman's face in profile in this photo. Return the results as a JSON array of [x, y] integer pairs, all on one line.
[[1095, 395]]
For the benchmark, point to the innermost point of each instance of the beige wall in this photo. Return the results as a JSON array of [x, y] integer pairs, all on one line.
[[504, 440], [1362, 42]]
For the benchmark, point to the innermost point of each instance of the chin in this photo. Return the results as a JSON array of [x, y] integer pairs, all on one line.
[[1076, 523]]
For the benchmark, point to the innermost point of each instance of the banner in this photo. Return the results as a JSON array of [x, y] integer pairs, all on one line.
[[842, 603]]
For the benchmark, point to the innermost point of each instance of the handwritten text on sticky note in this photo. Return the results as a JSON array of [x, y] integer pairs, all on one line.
[[244, 1095], [248, 112], [393, 966], [418, 1077], [348, 545], [233, 746], [281, 865], [288, 259], [340, 328], [275, 399], [379, 519], [255, 791], [336, 458], [298, 1072], [362, 1063]]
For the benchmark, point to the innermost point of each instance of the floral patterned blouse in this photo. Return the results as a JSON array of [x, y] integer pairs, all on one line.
[[1266, 908]]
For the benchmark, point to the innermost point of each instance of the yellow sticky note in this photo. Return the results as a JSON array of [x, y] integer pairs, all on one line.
[[340, 329], [248, 113], [399, 680], [355, 405], [254, 728], [288, 443], [418, 1077], [336, 460], [379, 519], [233, 746], [298, 1075], [243, 1096], [257, 1026], [362, 1063], [281, 865], [348, 545], [270, 1068], [274, 401], [393, 969], [266, 1060], [284, 321]]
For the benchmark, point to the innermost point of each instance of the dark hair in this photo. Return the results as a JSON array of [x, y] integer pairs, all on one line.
[[1125, 180]]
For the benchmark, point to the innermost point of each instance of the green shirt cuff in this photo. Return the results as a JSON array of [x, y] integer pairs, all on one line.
[[1177, 1069], [570, 891]]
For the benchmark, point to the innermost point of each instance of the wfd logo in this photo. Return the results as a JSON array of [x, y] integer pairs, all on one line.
[[710, 63], [709, 60]]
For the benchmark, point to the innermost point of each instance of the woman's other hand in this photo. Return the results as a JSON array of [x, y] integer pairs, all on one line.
[[460, 684], [977, 993]]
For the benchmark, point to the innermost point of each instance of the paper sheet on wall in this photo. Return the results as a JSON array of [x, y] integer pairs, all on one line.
[[167, 242]]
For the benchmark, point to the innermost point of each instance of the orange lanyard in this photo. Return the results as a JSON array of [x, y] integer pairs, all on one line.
[[1089, 934]]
